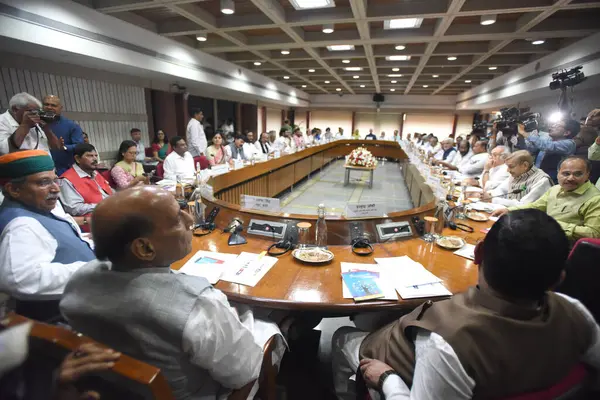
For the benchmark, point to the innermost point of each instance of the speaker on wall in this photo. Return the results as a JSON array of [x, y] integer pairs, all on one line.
[[378, 98]]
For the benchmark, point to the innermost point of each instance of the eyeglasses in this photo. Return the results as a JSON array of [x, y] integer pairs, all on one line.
[[47, 182]]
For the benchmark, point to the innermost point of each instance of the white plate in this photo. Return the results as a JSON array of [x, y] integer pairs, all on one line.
[[450, 247], [297, 255]]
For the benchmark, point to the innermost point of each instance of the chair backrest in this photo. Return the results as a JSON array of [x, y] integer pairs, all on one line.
[[149, 152], [160, 170], [129, 378], [570, 387], [204, 164], [106, 174], [582, 280]]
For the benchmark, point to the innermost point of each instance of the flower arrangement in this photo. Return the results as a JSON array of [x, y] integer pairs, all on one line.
[[361, 157]]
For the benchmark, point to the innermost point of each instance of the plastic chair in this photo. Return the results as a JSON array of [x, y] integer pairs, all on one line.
[[204, 164], [106, 174], [582, 280], [571, 387]]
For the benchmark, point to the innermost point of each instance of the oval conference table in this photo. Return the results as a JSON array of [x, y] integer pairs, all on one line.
[[296, 286]]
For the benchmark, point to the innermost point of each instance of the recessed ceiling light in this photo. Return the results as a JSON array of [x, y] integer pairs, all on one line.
[[451, 58], [328, 28], [338, 89], [393, 81], [492, 68], [356, 76], [286, 77], [488, 19], [285, 52], [346, 61], [201, 37], [341, 47], [353, 68], [395, 69], [400, 47], [395, 75], [435, 76], [425, 86], [397, 58], [468, 81], [257, 63], [227, 7], [307, 4], [402, 23], [392, 90], [311, 70], [536, 42], [362, 85], [303, 86], [326, 81]]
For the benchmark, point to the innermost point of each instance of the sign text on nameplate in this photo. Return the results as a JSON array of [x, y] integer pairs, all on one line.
[[260, 203], [360, 210]]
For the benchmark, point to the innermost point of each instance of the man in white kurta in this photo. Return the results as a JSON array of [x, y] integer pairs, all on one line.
[[195, 136]]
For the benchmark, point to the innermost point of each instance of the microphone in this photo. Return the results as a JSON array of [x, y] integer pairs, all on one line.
[[515, 191]]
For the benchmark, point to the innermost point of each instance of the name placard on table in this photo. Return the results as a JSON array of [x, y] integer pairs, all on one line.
[[260, 203], [361, 210]]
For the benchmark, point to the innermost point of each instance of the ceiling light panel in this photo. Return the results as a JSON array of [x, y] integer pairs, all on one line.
[[341, 47], [311, 4], [227, 7], [353, 68], [397, 58], [402, 23]]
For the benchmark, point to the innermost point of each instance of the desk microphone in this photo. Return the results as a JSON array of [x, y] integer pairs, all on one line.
[[516, 191]]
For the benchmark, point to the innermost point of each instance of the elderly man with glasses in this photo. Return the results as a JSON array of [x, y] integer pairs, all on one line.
[[41, 245]]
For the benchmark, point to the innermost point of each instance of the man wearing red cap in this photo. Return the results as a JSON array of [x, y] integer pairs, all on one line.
[[41, 246]]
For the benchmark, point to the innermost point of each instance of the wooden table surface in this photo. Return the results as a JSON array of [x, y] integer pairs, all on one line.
[[292, 285]]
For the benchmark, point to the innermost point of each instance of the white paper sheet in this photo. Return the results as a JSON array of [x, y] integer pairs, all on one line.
[[208, 264], [407, 272], [248, 269], [467, 251], [385, 281], [431, 290]]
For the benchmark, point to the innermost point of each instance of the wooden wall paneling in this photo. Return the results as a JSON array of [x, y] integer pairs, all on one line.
[[249, 117], [164, 112]]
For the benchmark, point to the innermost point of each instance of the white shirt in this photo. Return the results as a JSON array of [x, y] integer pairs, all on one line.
[[176, 165], [8, 126], [459, 160], [259, 149], [534, 192], [282, 144], [26, 253], [439, 155], [496, 176], [474, 166], [196, 138], [250, 150]]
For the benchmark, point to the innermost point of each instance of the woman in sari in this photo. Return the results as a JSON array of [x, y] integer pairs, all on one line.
[[127, 172], [160, 146], [216, 152]]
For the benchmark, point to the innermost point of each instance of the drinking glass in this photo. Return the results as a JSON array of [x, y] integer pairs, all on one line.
[[303, 234]]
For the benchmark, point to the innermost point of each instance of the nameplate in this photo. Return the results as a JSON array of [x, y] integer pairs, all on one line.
[[238, 164], [361, 210], [260, 203], [219, 169], [276, 154]]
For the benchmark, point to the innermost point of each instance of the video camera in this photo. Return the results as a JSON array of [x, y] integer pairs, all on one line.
[[46, 116], [509, 119], [567, 78]]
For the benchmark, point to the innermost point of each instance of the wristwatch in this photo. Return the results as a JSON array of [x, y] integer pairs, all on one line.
[[383, 377]]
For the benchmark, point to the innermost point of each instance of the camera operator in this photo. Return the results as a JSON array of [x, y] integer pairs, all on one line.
[[21, 127], [67, 131], [552, 146]]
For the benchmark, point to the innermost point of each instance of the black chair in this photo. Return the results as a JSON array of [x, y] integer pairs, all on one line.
[[583, 275]]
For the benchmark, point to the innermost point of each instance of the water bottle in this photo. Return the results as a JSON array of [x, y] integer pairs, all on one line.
[[321, 228]]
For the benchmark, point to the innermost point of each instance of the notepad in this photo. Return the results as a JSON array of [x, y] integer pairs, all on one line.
[[408, 272], [248, 268], [363, 285], [209, 265]]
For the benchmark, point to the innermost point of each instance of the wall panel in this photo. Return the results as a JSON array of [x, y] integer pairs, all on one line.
[[438, 124], [332, 119]]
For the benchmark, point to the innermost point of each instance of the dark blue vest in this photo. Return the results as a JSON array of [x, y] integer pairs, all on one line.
[[71, 247]]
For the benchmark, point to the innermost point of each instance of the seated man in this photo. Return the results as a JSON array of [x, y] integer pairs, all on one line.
[[298, 142], [471, 164], [494, 172], [574, 202], [250, 149], [179, 163], [235, 150], [371, 135], [526, 183], [82, 186], [447, 152], [434, 147], [488, 341], [41, 246], [129, 300], [461, 159]]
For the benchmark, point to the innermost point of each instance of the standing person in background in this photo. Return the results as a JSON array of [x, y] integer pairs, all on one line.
[[196, 138], [593, 122], [216, 153], [136, 136], [263, 145], [67, 131], [286, 126], [22, 129], [160, 145], [127, 172], [228, 130]]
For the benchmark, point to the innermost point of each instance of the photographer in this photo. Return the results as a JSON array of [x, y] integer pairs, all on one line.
[[21, 127], [67, 131], [551, 147]]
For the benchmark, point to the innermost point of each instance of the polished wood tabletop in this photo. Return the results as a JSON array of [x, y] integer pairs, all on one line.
[[293, 285]]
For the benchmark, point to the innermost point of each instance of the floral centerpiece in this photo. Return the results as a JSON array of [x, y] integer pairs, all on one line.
[[361, 157]]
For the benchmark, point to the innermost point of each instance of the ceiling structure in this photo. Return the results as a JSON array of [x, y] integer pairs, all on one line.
[[259, 30]]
